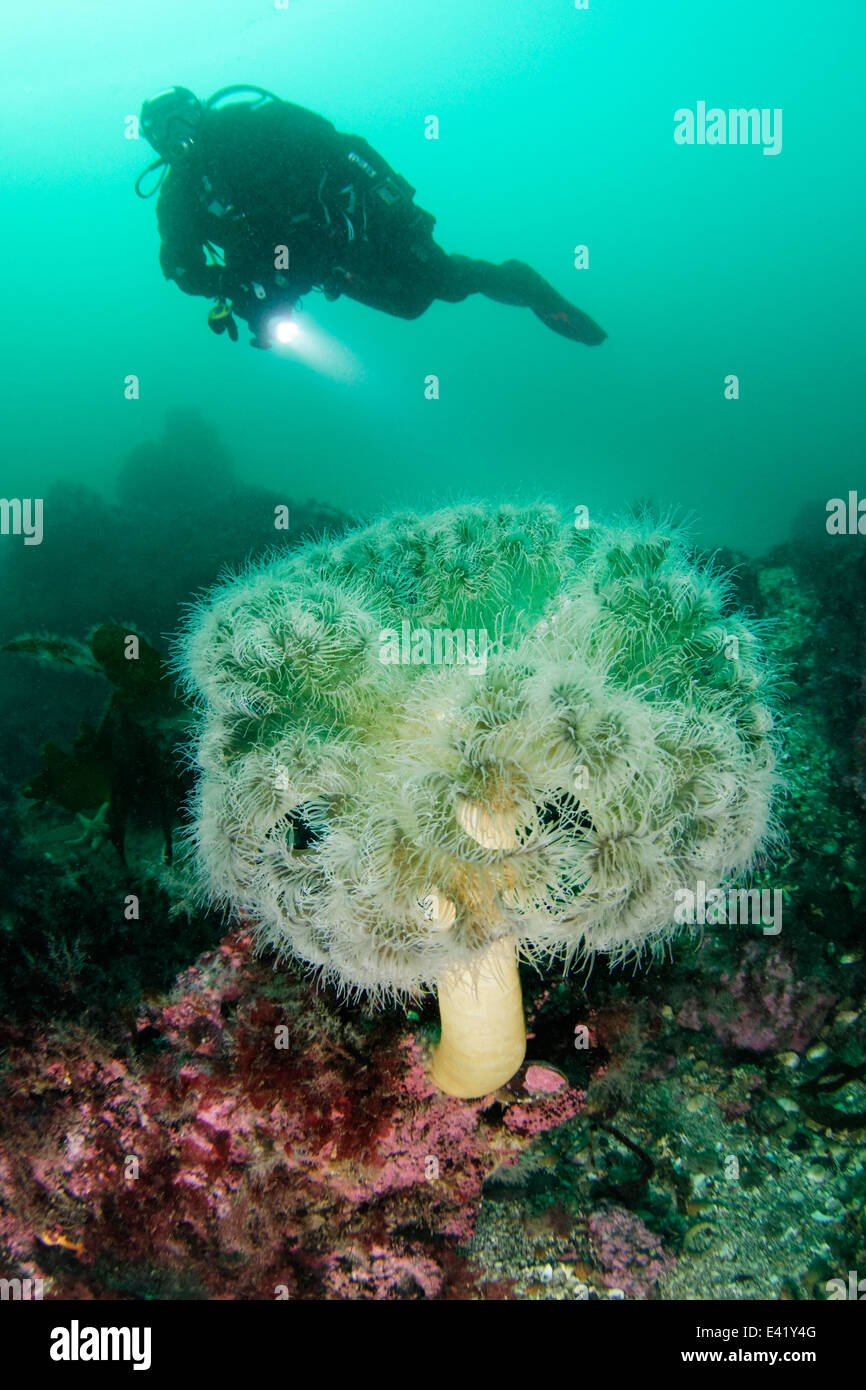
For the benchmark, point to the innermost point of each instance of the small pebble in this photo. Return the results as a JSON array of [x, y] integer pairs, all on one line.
[[788, 1059]]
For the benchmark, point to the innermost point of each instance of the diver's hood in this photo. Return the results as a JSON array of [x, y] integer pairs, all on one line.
[[170, 120]]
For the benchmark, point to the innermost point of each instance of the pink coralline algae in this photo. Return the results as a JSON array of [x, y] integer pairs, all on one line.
[[763, 1007], [254, 1142], [629, 1254], [544, 1114], [543, 1079]]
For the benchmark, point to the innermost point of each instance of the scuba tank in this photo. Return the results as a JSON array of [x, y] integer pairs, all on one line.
[[262, 95]]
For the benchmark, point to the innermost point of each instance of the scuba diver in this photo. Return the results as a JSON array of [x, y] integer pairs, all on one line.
[[262, 201]]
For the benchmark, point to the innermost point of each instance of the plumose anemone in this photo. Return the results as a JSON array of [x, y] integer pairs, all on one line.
[[401, 814]]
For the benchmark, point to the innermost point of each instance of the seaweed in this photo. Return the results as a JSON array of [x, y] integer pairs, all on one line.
[[128, 766]]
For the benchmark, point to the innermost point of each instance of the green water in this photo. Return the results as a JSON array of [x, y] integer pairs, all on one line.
[[729, 278], [555, 129]]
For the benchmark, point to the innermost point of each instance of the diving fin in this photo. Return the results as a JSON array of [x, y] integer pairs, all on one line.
[[572, 323], [554, 310]]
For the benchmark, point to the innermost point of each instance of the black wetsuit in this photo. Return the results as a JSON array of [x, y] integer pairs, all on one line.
[[259, 178]]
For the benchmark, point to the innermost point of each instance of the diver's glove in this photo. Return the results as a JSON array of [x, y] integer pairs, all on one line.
[[221, 320]]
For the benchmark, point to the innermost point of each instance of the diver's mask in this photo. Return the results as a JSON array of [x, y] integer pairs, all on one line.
[[170, 121]]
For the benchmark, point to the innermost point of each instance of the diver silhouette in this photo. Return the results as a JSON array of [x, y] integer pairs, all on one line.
[[262, 201]]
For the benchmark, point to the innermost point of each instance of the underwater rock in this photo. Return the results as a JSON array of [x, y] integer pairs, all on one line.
[[129, 764], [766, 1006], [254, 1143], [630, 1255]]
